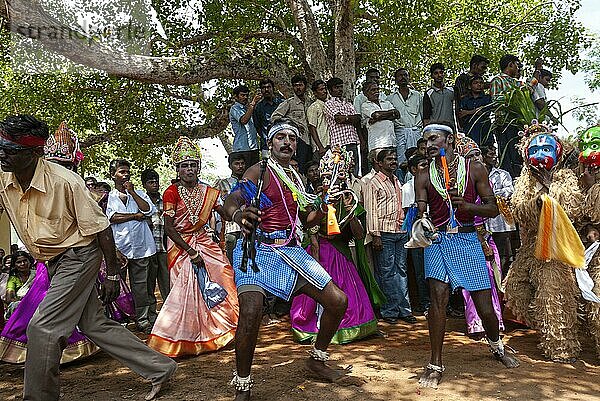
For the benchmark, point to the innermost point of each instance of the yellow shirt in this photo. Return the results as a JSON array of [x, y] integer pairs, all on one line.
[[55, 213]]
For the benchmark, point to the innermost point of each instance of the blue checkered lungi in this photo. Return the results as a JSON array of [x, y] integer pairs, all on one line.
[[458, 259], [279, 267]]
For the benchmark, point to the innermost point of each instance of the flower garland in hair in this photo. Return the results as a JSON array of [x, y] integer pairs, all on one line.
[[298, 191]]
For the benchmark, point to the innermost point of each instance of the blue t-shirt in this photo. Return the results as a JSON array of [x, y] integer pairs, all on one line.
[[477, 126], [244, 135]]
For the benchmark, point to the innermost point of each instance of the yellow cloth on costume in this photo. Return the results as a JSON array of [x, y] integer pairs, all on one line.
[[557, 239]]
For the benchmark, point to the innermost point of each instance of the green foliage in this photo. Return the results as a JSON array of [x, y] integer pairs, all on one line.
[[387, 33]]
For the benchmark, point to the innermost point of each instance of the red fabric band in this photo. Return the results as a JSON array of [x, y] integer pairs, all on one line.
[[25, 140]]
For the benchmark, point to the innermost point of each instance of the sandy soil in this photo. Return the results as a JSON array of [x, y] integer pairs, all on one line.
[[385, 368]]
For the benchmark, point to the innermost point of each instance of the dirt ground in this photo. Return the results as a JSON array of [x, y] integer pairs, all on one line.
[[385, 368]]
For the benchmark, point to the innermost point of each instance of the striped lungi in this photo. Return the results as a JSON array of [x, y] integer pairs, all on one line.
[[458, 259], [279, 267]]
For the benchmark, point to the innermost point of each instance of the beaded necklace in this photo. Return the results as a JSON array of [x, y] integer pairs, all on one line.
[[437, 176], [191, 200]]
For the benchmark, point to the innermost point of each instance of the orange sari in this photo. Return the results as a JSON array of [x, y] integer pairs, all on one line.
[[185, 325]]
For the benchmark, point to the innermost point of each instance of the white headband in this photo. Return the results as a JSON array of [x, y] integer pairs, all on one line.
[[438, 127], [280, 127]]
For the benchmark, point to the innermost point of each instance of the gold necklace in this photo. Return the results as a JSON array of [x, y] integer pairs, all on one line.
[[192, 201]]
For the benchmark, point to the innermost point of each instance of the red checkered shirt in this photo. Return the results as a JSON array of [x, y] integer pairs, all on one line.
[[340, 134]]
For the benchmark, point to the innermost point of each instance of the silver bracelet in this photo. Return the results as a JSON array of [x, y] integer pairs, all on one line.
[[115, 277]]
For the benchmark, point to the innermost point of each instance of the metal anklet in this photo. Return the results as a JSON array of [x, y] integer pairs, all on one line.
[[242, 383], [318, 355], [497, 347], [435, 368]]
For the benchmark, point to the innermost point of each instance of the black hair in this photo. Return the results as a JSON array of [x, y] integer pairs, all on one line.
[[13, 261], [333, 82], [398, 71], [104, 185], [311, 163], [115, 164], [408, 153], [233, 156], [315, 85], [545, 73], [372, 70], [367, 84], [436, 66], [149, 174], [420, 141], [299, 78], [23, 124], [506, 60], [475, 78], [383, 153], [414, 160], [240, 89], [477, 59], [485, 149], [266, 81], [90, 178]]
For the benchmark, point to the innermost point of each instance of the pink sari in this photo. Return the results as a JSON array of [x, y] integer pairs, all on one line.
[[185, 325]]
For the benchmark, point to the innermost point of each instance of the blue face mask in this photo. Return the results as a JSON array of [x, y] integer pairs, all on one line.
[[542, 151]]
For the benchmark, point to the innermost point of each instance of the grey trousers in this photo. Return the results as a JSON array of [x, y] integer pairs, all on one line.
[[138, 281], [158, 273], [72, 300]]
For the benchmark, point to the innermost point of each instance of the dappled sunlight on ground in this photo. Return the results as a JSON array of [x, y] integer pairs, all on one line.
[[385, 367]]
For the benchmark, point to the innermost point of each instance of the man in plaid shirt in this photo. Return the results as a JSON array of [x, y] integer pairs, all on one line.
[[342, 120]]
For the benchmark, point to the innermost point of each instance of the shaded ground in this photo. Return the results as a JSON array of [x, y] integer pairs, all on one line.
[[386, 366]]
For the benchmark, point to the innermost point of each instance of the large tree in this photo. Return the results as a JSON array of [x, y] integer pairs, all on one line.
[[178, 79]]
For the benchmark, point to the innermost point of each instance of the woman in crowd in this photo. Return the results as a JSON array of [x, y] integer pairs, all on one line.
[[201, 312], [19, 280], [333, 253]]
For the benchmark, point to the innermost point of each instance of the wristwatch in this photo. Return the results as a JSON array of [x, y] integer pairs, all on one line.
[[113, 278]]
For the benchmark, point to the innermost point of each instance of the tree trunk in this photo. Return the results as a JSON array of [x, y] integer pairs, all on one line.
[[311, 38], [345, 58]]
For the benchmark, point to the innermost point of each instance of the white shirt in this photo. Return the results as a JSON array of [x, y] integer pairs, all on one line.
[[133, 238], [539, 92], [380, 134], [411, 109], [408, 193]]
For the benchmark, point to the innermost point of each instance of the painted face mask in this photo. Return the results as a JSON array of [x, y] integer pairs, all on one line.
[[544, 151], [590, 147]]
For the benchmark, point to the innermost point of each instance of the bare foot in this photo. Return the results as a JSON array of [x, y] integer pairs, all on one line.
[[154, 391], [323, 371], [430, 378], [242, 395], [509, 359]]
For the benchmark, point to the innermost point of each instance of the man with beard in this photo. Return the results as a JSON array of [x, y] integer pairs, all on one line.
[[282, 267], [456, 260]]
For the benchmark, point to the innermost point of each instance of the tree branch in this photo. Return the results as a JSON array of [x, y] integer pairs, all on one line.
[[28, 18]]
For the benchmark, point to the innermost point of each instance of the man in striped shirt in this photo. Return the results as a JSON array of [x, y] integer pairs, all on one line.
[[383, 203]]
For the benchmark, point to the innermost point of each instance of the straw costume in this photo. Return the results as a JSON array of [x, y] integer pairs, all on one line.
[[540, 286]]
